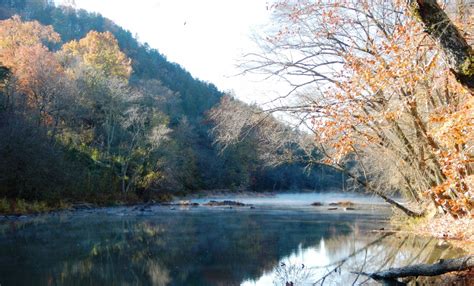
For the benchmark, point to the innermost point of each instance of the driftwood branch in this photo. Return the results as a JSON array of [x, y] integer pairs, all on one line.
[[459, 53], [442, 267], [366, 185]]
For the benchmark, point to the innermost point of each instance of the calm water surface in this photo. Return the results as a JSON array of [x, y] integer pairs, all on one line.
[[281, 239]]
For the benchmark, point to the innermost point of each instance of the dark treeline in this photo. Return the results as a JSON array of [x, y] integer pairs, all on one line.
[[132, 124]]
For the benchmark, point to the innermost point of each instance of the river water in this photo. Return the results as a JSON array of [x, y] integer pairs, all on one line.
[[280, 239]]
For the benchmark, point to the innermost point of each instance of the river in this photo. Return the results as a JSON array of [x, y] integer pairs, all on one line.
[[280, 239]]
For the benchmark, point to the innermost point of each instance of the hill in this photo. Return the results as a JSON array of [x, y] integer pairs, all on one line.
[[98, 145]]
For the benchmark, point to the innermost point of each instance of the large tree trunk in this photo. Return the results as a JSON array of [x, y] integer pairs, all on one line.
[[3, 72], [442, 267], [460, 55]]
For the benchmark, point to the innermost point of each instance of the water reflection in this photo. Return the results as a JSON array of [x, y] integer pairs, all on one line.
[[338, 260], [203, 247]]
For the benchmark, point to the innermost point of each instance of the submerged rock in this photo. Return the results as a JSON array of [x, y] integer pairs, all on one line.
[[342, 204], [317, 204], [181, 204], [83, 206], [224, 203], [187, 203]]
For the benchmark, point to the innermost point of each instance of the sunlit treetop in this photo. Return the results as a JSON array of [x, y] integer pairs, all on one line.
[[101, 52], [15, 34]]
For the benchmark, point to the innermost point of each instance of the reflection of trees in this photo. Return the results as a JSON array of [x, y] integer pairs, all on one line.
[[206, 248], [214, 247], [352, 255], [296, 274], [158, 275], [83, 252], [120, 254]]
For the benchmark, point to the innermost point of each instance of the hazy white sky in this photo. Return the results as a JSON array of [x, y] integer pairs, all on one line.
[[206, 37]]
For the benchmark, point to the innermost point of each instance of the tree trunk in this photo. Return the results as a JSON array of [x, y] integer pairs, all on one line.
[[459, 54], [442, 267], [4, 73]]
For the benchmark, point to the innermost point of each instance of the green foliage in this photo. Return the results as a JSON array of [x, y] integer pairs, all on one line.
[[21, 206], [468, 66], [4, 205]]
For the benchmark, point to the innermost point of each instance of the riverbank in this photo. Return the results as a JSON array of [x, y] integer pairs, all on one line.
[[446, 227], [458, 232], [24, 207]]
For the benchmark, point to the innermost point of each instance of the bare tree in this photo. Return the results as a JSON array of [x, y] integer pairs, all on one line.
[[370, 89]]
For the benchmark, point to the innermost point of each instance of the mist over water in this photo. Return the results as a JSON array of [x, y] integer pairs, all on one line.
[[298, 199], [266, 245]]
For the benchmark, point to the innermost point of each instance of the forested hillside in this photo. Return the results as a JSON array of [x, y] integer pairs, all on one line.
[[89, 113]]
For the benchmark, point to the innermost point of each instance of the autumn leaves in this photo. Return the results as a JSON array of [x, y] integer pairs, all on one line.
[[386, 108], [45, 76]]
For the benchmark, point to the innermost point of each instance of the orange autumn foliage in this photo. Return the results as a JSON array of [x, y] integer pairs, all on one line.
[[382, 95], [14, 33], [37, 72], [101, 52]]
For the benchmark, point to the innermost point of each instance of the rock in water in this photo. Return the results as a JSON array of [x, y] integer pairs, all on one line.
[[224, 203]]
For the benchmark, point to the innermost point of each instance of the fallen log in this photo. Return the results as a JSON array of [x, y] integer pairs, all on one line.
[[442, 267]]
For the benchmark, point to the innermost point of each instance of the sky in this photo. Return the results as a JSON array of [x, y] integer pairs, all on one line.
[[206, 37]]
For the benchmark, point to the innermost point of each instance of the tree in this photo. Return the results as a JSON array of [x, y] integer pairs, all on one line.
[[144, 130], [14, 33], [37, 74], [101, 52], [42, 79], [372, 90]]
